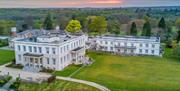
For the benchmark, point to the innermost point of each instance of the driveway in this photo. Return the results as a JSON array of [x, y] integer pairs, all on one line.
[[24, 74], [31, 76]]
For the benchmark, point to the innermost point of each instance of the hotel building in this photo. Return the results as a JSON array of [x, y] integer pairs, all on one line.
[[128, 45], [51, 51]]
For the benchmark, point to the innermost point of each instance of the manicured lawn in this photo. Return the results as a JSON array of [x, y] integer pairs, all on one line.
[[133, 73], [58, 85], [67, 71], [6, 56]]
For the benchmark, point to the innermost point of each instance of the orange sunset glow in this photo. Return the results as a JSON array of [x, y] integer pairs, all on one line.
[[83, 3]]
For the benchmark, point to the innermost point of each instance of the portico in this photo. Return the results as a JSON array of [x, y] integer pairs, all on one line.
[[78, 55], [33, 61]]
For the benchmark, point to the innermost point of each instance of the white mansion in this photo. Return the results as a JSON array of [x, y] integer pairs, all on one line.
[[54, 49], [129, 45], [51, 51]]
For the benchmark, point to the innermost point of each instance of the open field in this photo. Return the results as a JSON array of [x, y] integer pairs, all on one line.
[[6, 56], [133, 73], [58, 85]]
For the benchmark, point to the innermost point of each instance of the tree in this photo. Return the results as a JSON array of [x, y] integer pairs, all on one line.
[[37, 24], [62, 21], [178, 37], [178, 23], [176, 51], [73, 26], [146, 29], [162, 23], [133, 30], [28, 22], [114, 26], [178, 33], [97, 25], [168, 38], [5, 26], [48, 22]]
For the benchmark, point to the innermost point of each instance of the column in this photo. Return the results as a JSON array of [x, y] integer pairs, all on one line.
[[29, 61], [33, 62], [39, 62]]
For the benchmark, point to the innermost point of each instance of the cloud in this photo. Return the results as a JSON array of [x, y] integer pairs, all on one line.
[[84, 3]]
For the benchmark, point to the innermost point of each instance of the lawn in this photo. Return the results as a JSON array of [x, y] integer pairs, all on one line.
[[6, 56], [133, 73], [58, 85], [67, 71]]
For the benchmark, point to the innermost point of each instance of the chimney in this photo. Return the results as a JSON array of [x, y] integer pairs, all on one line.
[[13, 31], [57, 27]]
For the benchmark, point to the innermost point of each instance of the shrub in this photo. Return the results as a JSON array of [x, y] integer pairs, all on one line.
[[5, 80], [51, 79], [13, 65], [47, 70], [176, 51], [2, 82], [16, 84]]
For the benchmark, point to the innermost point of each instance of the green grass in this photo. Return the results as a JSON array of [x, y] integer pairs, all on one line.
[[133, 73], [6, 56], [58, 85], [67, 71]]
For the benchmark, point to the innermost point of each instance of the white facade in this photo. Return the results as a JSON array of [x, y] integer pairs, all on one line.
[[128, 45], [51, 52]]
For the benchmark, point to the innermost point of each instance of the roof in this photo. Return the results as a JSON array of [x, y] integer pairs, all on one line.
[[128, 38], [77, 49], [33, 55]]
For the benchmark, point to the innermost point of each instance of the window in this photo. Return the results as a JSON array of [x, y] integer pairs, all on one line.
[[47, 50], [140, 50], [111, 48], [132, 51], [24, 48], [64, 58], [106, 42], [146, 51], [35, 49], [67, 47], [19, 57], [152, 51], [54, 50], [30, 49], [64, 48], [40, 49], [125, 50], [61, 60], [111, 43], [153, 45], [147, 45], [41, 60], [141, 45], [125, 44], [71, 46], [132, 44], [61, 50], [19, 47], [54, 61], [47, 60]]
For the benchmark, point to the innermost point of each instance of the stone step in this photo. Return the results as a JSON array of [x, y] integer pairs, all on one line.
[[31, 69]]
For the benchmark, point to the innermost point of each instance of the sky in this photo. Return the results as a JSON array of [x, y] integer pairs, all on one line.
[[85, 3]]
